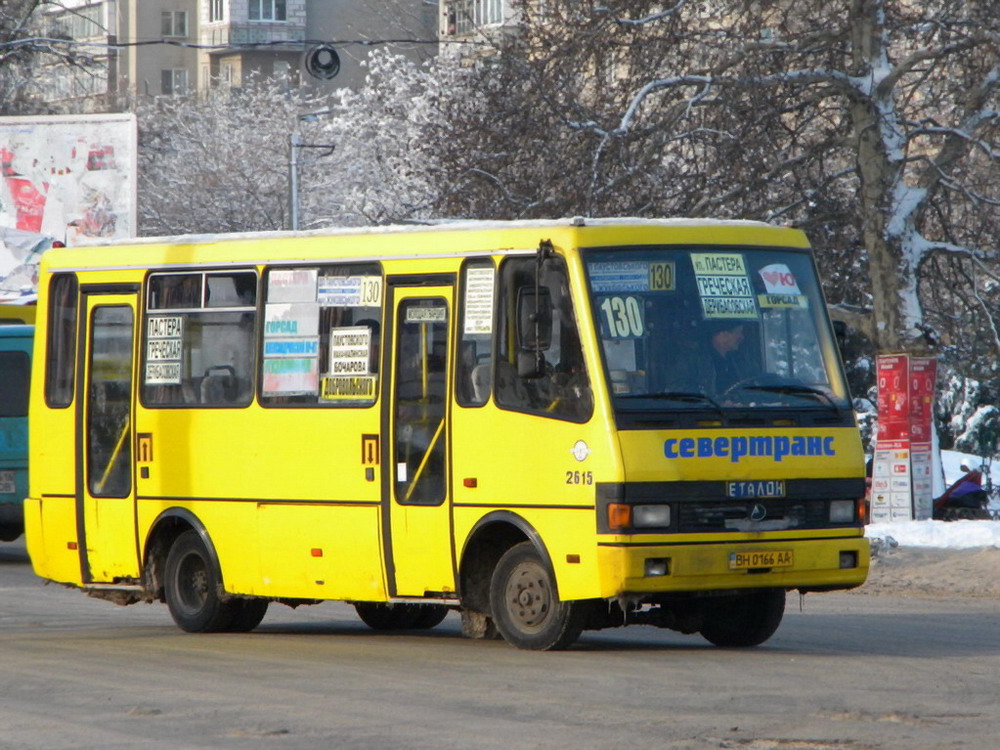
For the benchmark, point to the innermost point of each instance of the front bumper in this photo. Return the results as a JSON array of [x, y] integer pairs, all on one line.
[[631, 567]]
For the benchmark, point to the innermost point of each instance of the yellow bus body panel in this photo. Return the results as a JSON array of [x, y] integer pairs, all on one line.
[[308, 498]]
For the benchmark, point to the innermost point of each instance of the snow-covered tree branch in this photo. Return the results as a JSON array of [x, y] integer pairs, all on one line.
[[872, 123]]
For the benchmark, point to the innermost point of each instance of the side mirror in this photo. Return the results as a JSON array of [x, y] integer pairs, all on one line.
[[534, 319], [534, 330]]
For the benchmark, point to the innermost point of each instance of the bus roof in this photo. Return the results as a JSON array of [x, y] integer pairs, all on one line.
[[429, 239]]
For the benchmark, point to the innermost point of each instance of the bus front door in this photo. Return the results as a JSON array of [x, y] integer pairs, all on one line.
[[417, 504], [105, 484]]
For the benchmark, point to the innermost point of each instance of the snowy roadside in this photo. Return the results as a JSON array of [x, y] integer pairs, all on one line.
[[935, 559], [938, 534]]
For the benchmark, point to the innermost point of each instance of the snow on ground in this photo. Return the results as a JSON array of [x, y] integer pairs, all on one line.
[[942, 534]]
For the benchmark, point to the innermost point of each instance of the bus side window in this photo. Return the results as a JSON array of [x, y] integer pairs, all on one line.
[[322, 336], [474, 369], [199, 332], [108, 414], [562, 389], [61, 357]]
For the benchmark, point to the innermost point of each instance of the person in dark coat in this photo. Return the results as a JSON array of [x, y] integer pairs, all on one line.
[[713, 364]]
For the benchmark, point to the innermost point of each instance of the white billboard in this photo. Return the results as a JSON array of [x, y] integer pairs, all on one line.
[[69, 177]]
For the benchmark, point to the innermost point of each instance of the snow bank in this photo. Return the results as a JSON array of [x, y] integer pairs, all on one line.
[[939, 534]]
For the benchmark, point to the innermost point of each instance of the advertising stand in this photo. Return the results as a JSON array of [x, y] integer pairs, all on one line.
[[902, 485]]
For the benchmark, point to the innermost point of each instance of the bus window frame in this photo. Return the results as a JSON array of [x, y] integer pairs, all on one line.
[[116, 467], [460, 386], [66, 363], [204, 307], [506, 338], [374, 268]]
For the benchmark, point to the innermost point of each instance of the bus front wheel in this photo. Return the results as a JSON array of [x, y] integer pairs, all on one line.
[[192, 586], [524, 604], [246, 614], [745, 620]]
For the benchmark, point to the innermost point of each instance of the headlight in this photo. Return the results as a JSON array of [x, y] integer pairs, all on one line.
[[647, 516], [841, 511]]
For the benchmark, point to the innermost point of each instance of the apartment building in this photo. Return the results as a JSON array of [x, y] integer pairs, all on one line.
[[366, 25], [462, 19], [125, 48], [468, 29], [102, 75]]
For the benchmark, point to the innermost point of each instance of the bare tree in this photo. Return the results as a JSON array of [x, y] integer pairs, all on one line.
[[218, 163], [30, 52], [872, 123], [19, 53]]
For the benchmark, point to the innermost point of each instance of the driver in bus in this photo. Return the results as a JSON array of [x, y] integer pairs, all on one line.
[[724, 350], [714, 363]]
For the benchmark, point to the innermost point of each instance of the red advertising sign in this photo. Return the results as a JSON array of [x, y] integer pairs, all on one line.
[[923, 372], [893, 392], [901, 483]]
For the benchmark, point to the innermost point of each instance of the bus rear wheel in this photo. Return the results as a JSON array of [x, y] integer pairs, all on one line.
[[745, 620], [192, 587], [525, 607]]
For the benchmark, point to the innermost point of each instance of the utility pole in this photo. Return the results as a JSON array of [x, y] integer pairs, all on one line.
[[295, 146]]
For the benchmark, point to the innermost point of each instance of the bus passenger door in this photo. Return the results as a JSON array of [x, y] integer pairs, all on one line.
[[416, 495], [105, 482]]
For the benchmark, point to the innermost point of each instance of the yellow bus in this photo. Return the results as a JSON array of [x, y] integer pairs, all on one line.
[[530, 423]]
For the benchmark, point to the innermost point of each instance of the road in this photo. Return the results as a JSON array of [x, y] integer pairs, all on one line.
[[844, 671]]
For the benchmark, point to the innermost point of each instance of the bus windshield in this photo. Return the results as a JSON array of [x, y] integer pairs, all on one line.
[[711, 328]]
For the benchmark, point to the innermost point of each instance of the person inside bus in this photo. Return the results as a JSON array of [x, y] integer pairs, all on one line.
[[724, 352], [714, 363]]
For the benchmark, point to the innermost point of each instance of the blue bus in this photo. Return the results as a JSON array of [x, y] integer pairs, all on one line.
[[15, 376]]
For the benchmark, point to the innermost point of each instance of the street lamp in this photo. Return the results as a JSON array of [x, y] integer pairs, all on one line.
[[295, 146]]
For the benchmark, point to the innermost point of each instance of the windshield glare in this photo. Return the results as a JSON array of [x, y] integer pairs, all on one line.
[[695, 327]]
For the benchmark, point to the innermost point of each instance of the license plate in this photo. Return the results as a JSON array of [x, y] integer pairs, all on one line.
[[6, 482], [773, 558], [759, 488]]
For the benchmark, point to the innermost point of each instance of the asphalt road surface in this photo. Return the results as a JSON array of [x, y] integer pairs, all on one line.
[[844, 671]]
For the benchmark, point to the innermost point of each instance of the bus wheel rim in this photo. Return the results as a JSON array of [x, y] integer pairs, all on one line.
[[528, 597], [193, 583]]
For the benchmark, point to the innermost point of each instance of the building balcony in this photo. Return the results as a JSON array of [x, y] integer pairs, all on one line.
[[257, 32]]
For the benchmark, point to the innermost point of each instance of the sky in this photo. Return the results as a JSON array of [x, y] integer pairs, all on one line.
[[944, 534]]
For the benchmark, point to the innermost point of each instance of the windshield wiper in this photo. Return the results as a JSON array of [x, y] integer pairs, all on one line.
[[688, 397], [796, 390]]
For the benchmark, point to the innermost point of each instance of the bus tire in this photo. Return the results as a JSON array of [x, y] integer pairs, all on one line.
[[429, 616], [746, 620], [192, 585], [525, 607], [247, 614], [382, 616]]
